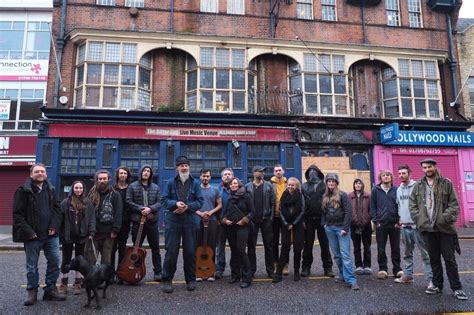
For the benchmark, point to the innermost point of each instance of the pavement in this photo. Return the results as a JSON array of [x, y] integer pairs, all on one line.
[[6, 242]]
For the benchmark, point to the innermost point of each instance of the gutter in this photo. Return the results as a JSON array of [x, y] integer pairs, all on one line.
[[60, 41]]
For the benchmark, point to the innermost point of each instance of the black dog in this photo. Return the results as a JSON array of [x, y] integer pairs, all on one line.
[[94, 276]]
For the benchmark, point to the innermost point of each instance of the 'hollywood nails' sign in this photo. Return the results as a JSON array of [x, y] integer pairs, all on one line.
[[434, 138]]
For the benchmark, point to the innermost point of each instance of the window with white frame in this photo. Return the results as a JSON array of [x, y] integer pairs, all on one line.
[[414, 92], [211, 6], [414, 13], [470, 83], [304, 9], [106, 2], [24, 40], [135, 3], [22, 108], [328, 10], [236, 7], [218, 84], [392, 10], [109, 76], [325, 85]]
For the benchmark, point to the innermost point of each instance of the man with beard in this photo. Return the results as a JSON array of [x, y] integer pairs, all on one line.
[[263, 196], [108, 212], [36, 223], [434, 208], [143, 199], [226, 175], [123, 178], [182, 198], [212, 204], [313, 191]]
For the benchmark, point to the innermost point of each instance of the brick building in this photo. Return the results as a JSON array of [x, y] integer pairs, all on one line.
[[465, 31], [245, 82]]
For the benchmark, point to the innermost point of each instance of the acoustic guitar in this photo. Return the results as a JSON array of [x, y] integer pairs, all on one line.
[[205, 266], [132, 268]]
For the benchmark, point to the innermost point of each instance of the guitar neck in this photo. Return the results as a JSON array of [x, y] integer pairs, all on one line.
[[204, 238], [139, 237]]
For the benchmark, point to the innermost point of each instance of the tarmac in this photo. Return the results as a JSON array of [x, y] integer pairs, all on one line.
[[7, 244]]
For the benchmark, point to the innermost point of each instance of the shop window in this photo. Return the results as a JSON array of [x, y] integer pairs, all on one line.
[[47, 154], [24, 108], [109, 76], [266, 155], [304, 9], [289, 157], [169, 160], [107, 156], [210, 156], [136, 155], [78, 157]]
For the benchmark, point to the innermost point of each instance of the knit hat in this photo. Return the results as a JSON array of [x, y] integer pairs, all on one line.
[[332, 176], [181, 160]]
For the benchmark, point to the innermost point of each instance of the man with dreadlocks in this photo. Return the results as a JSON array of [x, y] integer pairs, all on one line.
[[108, 212], [434, 208]]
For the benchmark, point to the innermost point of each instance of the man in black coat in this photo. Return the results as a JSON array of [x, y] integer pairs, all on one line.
[[36, 222]]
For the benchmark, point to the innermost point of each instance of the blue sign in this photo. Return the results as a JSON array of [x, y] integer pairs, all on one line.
[[389, 133], [434, 138]]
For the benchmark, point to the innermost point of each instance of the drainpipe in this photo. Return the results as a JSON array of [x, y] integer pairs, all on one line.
[[60, 41], [453, 62], [172, 17], [362, 14]]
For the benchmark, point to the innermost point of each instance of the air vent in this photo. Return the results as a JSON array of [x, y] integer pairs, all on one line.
[[443, 6]]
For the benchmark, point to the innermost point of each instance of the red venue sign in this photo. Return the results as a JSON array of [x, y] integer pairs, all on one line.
[[424, 151], [174, 133], [17, 150]]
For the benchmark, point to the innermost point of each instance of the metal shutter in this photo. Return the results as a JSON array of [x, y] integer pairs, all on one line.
[[447, 166], [11, 179]]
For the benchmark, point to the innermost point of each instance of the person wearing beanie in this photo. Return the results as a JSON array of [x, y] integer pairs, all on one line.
[[337, 215], [181, 199]]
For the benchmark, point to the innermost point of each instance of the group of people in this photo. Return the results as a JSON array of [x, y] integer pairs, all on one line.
[[285, 212]]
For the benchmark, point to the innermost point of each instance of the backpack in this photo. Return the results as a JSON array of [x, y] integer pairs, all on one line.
[[105, 214]]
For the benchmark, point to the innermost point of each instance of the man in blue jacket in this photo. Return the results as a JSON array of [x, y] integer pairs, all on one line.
[[183, 196], [384, 213]]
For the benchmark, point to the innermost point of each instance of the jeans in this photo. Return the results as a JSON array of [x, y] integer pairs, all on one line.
[[50, 247], [297, 240], [180, 227], [67, 253], [120, 243], [239, 260], [277, 226], [150, 231], [365, 237], [410, 238], [341, 251], [440, 244], [313, 226], [267, 235], [220, 248], [382, 233]]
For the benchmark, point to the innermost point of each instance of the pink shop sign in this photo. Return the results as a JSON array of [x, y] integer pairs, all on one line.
[[424, 151]]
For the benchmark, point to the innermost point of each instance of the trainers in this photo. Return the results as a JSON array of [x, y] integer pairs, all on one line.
[[355, 287], [218, 275], [433, 290], [167, 287], [328, 273], [359, 271], [404, 279], [430, 284], [382, 275], [62, 288], [77, 288], [460, 295], [157, 277], [285, 270], [399, 274], [305, 272], [210, 279], [367, 271], [199, 279]]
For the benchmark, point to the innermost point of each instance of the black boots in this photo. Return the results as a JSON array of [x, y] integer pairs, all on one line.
[[51, 294], [32, 297], [305, 271], [296, 276], [278, 275], [328, 273]]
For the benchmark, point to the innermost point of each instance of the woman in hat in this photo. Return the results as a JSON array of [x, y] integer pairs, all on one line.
[[337, 215]]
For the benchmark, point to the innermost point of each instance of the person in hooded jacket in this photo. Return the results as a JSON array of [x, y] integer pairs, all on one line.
[[384, 213], [78, 224], [361, 229], [313, 191], [337, 216], [291, 213], [143, 199], [236, 220]]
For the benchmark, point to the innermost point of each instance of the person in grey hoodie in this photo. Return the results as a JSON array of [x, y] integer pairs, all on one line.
[[410, 234]]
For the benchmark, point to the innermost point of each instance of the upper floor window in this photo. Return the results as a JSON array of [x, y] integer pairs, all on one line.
[[470, 83], [328, 10], [211, 6], [24, 40], [414, 13], [106, 2], [135, 3], [109, 76], [304, 9], [219, 83], [21, 108], [235, 6], [392, 9]]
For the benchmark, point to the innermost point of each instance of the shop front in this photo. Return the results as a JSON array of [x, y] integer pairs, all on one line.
[[453, 151]]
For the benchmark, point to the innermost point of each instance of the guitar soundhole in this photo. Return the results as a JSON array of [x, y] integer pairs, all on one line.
[[204, 256], [133, 257]]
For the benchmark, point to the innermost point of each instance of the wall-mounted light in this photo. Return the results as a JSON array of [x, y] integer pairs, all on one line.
[[169, 143], [236, 144]]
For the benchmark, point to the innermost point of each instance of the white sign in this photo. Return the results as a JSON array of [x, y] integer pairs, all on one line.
[[24, 70], [4, 143], [5, 109]]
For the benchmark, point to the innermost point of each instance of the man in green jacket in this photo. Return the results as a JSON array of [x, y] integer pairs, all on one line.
[[434, 208]]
